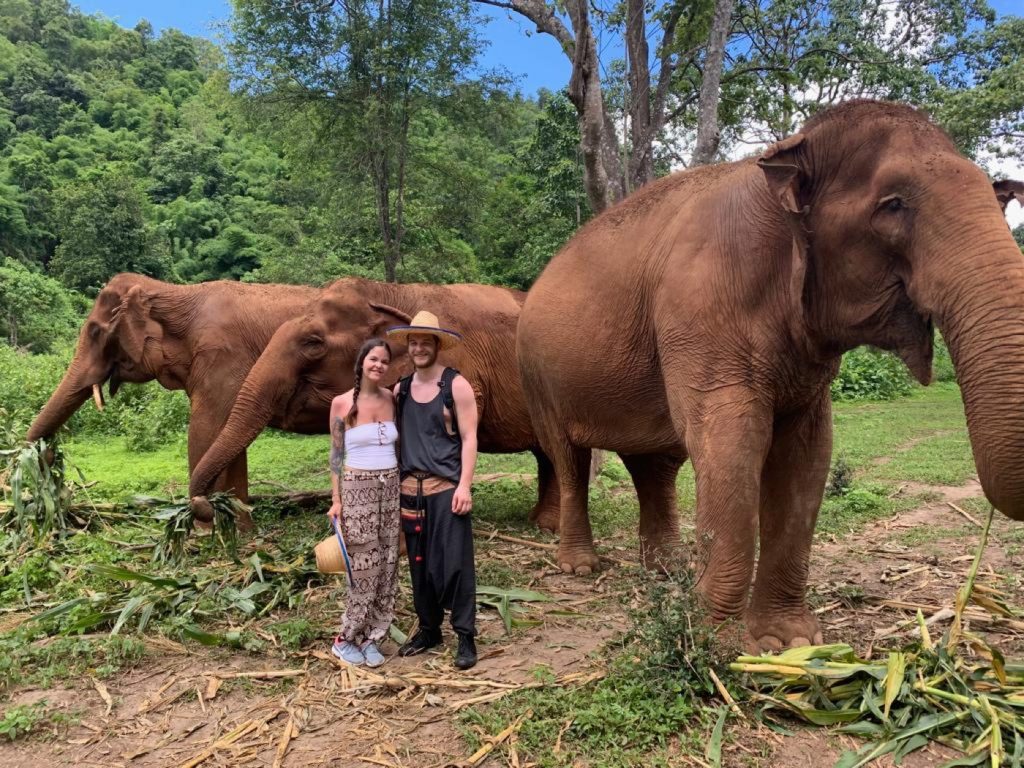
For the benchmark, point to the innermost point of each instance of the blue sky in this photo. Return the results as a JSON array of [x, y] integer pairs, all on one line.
[[537, 60]]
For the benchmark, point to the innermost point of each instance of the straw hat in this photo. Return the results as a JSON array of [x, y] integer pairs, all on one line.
[[328, 556], [426, 322]]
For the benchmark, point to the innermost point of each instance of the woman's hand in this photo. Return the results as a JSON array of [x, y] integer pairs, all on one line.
[[335, 511]]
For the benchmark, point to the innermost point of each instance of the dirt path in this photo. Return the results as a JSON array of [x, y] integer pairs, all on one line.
[[171, 710]]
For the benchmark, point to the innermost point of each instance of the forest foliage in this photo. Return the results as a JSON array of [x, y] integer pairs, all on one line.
[[328, 139]]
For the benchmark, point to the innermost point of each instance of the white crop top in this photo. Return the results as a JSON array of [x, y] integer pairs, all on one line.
[[371, 445]]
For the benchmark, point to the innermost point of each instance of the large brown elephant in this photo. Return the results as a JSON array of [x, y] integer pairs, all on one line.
[[310, 360], [200, 338], [705, 316]]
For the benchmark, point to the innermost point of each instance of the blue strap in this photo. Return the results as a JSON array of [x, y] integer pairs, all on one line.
[[344, 551]]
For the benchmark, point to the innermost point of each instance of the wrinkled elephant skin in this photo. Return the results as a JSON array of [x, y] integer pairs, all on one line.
[[704, 317]]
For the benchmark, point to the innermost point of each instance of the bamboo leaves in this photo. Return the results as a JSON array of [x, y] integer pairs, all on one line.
[[506, 602], [33, 477], [926, 690]]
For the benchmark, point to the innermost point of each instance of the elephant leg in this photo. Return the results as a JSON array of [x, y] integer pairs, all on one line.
[[235, 479], [791, 489], [546, 511], [654, 476], [576, 553], [727, 439]]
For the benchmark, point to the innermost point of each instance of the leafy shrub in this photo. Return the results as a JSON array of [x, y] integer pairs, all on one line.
[[871, 374], [942, 363], [153, 417], [21, 719], [35, 311]]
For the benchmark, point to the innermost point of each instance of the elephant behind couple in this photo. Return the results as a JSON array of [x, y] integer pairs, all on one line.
[[310, 360]]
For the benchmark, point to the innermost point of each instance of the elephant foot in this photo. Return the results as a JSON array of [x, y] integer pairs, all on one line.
[[546, 517], [775, 631], [581, 561], [663, 557]]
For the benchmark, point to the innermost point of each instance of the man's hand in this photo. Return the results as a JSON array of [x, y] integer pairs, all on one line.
[[335, 511], [462, 501]]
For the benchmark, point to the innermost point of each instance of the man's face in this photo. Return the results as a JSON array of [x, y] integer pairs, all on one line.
[[422, 349]]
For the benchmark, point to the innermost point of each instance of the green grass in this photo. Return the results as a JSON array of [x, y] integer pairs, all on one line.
[[922, 438], [296, 461]]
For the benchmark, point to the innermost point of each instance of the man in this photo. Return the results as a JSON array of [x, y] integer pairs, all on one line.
[[437, 420]]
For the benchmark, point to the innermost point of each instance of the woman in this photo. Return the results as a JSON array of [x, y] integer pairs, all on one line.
[[364, 481]]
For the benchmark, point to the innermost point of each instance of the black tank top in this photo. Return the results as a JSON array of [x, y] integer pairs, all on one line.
[[425, 443]]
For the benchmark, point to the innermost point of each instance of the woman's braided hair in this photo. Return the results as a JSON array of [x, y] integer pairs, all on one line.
[[368, 345]]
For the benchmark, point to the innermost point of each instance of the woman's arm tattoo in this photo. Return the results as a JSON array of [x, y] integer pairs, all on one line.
[[337, 445]]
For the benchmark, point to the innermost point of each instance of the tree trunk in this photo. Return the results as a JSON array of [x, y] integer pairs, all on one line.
[[641, 160], [597, 133], [708, 135]]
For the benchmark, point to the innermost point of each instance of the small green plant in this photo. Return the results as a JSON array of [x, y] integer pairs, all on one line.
[[294, 634], [840, 479], [22, 719]]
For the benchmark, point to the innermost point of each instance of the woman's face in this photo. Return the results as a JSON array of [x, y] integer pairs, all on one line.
[[375, 364]]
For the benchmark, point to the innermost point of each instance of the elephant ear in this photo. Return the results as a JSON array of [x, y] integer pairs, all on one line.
[[787, 180], [386, 316], [134, 324], [1007, 190]]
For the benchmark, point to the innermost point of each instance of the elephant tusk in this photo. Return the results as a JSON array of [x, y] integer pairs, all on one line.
[[97, 396]]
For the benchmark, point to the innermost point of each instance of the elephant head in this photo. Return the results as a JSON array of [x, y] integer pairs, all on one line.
[[120, 341], [307, 363], [892, 229]]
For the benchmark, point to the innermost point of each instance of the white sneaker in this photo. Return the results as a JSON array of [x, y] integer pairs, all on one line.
[[348, 652], [372, 654]]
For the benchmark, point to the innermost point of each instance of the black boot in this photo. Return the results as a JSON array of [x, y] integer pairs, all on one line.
[[423, 640], [466, 656]]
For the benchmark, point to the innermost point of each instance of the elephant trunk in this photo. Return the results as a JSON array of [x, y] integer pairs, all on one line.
[[253, 409], [980, 311], [73, 390]]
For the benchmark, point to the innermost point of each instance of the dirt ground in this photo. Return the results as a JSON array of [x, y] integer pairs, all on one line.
[[195, 706]]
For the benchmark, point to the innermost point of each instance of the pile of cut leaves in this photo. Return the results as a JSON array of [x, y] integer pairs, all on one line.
[[958, 691], [37, 489]]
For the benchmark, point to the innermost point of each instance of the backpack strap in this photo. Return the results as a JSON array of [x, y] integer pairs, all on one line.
[[404, 387], [448, 398]]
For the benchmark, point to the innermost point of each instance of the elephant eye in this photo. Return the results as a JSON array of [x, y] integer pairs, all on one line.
[[893, 204]]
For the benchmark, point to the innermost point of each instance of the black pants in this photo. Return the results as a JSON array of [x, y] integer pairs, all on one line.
[[440, 546]]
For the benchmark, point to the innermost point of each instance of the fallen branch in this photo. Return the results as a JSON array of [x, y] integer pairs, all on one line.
[[265, 674], [286, 737], [478, 757], [965, 514], [901, 626], [723, 691], [492, 534]]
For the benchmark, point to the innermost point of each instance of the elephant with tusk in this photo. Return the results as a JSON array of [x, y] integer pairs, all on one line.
[[703, 318], [200, 338]]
